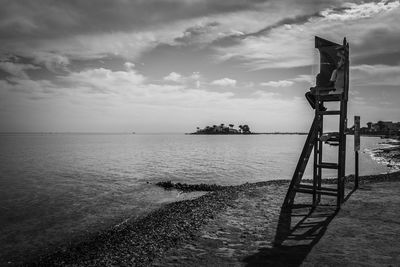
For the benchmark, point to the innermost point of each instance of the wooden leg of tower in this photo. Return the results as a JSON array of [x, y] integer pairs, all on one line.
[[320, 154], [316, 151], [342, 151], [339, 173], [339, 198], [315, 171], [343, 142]]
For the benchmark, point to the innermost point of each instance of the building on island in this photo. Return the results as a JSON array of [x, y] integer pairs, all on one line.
[[380, 128]]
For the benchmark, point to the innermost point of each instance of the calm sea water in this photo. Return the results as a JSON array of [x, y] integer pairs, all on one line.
[[57, 187]]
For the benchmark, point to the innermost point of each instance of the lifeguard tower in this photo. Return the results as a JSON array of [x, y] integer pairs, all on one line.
[[331, 60]]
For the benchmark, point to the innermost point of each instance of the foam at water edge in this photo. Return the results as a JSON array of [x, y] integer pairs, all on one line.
[[391, 165]]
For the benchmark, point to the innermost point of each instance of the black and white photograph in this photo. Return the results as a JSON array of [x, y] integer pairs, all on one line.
[[199, 133]]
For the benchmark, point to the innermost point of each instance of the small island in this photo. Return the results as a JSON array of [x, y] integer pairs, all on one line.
[[222, 129]]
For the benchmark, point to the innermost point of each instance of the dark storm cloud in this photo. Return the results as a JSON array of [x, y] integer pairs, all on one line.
[[51, 19]]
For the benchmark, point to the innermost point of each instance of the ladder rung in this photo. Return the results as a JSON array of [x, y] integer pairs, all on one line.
[[305, 186], [329, 189], [311, 191], [309, 186], [328, 165], [334, 140], [330, 112], [329, 139]]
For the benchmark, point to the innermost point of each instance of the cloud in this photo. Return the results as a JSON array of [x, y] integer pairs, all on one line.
[[353, 11], [198, 34], [188, 81], [129, 66], [224, 82], [195, 75], [102, 99], [79, 29], [173, 77], [277, 50], [52, 61], [286, 22], [289, 82], [53, 20], [104, 81], [17, 69], [282, 83], [375, 75], [288, 42], [64, 31], [304, 78], [129, 45]]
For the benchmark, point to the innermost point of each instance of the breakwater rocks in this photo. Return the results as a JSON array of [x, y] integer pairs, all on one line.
[[190, 187], [214, 187]]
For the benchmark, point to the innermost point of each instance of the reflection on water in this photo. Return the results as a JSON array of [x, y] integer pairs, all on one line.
[[55, 187]]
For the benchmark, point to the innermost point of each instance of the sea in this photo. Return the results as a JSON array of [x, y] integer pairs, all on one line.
[[58, 188]]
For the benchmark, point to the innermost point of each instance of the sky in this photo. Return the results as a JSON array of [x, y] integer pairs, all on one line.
[[174, 65]]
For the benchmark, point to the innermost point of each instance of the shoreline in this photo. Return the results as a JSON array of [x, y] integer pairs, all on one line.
[[139, 242]]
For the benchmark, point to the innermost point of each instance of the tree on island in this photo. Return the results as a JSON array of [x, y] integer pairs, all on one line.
[[246, 129]]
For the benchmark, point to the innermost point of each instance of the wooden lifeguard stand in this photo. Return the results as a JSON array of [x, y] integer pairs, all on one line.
[[324, 92]]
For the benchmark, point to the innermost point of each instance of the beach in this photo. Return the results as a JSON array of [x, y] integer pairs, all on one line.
[[366, 231], [234, 226]]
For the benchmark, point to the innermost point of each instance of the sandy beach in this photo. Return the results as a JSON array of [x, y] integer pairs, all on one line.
[[366, 231]]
